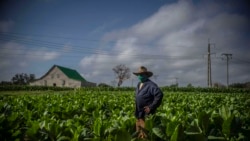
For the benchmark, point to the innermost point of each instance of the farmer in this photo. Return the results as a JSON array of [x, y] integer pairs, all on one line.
[[148, 98]]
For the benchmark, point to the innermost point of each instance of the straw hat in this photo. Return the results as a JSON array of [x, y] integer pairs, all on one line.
[[143, 70]]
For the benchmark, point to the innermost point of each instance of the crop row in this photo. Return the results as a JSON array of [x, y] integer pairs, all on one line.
[[169, 89], [109, 116]]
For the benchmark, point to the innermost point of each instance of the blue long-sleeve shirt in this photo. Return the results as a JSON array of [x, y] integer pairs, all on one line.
[[149, 95]]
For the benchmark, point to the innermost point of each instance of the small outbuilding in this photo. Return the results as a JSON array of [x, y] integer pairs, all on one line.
[[62, 77]]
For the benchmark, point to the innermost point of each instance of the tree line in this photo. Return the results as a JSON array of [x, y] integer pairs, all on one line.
[[122, 73], [20, 79]]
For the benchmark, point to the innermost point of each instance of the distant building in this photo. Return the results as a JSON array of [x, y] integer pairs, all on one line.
[[62, 77]]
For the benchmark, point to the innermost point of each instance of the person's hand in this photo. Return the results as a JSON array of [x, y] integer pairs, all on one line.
[[146, 109]]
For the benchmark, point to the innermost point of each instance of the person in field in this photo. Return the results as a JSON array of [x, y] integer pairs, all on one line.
[[148, 97]]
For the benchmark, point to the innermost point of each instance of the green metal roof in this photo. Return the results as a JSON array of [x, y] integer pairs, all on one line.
[[73, 74]]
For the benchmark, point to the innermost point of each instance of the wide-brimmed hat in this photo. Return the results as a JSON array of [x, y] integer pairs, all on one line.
[[143, 70]]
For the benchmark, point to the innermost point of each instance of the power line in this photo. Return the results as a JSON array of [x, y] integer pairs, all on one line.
[[79, 50], [82, 49], [22, 35]]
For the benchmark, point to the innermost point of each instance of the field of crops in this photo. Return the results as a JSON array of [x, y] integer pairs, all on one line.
[[96, 115]]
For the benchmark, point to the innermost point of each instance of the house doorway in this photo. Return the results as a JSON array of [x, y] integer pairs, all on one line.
[[54, 84]]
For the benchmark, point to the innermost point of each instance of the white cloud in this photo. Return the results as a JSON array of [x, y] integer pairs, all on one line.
[[178, 34], [89, 60], [15, 58], [10, 53], [50, 55], [167, 19], [42, 54]]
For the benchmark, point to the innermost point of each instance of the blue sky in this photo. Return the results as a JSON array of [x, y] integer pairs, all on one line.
[[169, 37]]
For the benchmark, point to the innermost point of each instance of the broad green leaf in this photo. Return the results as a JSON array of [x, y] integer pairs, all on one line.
[[32, 131], [178, 134], [204, 121], [218, 121], [122, 135], [97, 127], [16, 133], [13, 117], [195, 136], [171, 126], [213, 138], [194, 127], [158, 132], [225, 112], [63, 138], [227, 126]]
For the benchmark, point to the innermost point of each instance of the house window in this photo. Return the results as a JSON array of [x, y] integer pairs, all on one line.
[[58, 75], [52, 76]]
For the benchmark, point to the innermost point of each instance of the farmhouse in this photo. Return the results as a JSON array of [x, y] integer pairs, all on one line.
[[62, 77]]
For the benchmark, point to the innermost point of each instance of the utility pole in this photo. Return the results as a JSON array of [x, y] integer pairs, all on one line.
[[209, 78], [209, 71], [228, 57]]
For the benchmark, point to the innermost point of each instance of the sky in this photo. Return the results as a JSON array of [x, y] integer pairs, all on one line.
[[169, 37]]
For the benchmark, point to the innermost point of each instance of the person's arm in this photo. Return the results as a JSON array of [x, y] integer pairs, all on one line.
[[158, 95]]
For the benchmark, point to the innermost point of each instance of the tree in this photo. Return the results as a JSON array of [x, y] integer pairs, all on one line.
[[189, 85], [22, 78], [122, 73], [4, 83], [219, 85], [240, 85], [104, 85]]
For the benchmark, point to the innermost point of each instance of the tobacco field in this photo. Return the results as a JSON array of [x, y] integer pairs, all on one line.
[[96, 115]]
